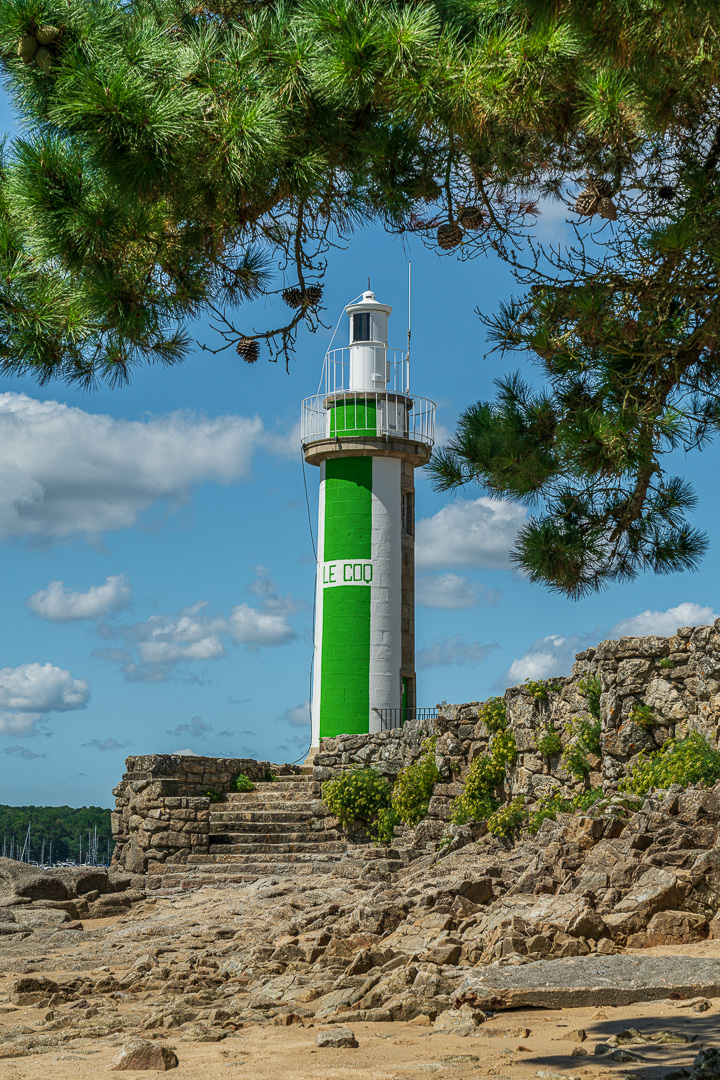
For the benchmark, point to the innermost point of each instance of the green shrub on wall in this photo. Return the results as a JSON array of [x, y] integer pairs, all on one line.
[[590, 688], [243, 783], [493, 714], [364, 796], [508, 819], [643, 716], [487, 773], [413, 788], [357, 796], [549, 742], [680, 761], [539, 689], [586, 739], [550, 805]]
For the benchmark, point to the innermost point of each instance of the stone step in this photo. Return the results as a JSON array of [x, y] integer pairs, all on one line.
[[278, 824], [289, 832], [241, 859], [222, 817], [280, 847], [306, 792], [274, 806], [277, 789], [188, 879]]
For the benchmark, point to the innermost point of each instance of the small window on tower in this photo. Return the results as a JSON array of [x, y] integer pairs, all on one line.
[[408, 513], [361, 326]]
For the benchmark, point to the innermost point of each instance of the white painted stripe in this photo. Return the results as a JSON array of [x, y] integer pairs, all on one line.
[[346, 572], [386, 589], [317, 661]]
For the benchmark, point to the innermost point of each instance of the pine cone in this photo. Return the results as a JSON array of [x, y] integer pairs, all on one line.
[[292, 297], [471, 217], [606, 208], [313, 295], [449, 236], [27, 47], [602, 187], [586, 203], [666, 193], [247, 348], [43, 59], [47, 34]]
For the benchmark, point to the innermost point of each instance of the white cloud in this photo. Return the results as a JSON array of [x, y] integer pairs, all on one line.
[[41, 688], [197, 728], [154, 647], [64, 471], [21, 724], [23, 752], [298, 715], [555, 654], [59, 604], [479, 532], [664, 623], [551, 655], [30, 692], [453, 592], [185, 752], [106, 744], [445, 651]]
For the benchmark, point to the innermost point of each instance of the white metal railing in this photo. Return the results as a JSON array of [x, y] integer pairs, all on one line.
[[358, 414], [336, 369]]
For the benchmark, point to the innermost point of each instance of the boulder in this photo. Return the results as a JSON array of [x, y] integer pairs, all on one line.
[[656, 890], [140, 1054], [31, 988], [445, 953], [91, 881], [337, 1037], [669, 928], [11, 927], [463, 1021], [26, 881], [37, 918]]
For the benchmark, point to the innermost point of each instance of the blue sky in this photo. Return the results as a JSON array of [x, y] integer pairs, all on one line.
[[157, 562]]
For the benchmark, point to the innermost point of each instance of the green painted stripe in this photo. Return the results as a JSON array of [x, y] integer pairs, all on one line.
[[357, 416], [345, 672], [348, 508]]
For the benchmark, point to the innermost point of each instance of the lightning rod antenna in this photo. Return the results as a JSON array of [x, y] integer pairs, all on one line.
[[409, 322]]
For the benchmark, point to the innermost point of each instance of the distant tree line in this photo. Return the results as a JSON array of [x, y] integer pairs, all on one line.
[[63, 826]]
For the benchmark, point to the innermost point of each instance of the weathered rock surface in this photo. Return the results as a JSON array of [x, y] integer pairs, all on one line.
[[40, 902], [140, 1055], [612, 980], [337, 1037]]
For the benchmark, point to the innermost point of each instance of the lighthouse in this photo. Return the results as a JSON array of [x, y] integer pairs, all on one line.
[[368, 434]]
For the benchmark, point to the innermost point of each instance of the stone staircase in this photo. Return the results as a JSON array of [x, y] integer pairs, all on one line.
[[268, 831]]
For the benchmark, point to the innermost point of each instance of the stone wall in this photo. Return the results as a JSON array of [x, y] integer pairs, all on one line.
[[678, 677], [162, 811]]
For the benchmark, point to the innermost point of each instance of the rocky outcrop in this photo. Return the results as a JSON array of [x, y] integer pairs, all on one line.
[[39, 902]]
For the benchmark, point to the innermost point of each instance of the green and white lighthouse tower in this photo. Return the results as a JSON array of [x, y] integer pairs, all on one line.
[[368, 434]]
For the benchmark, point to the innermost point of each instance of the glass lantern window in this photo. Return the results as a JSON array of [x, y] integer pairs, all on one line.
[[361, 329]]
